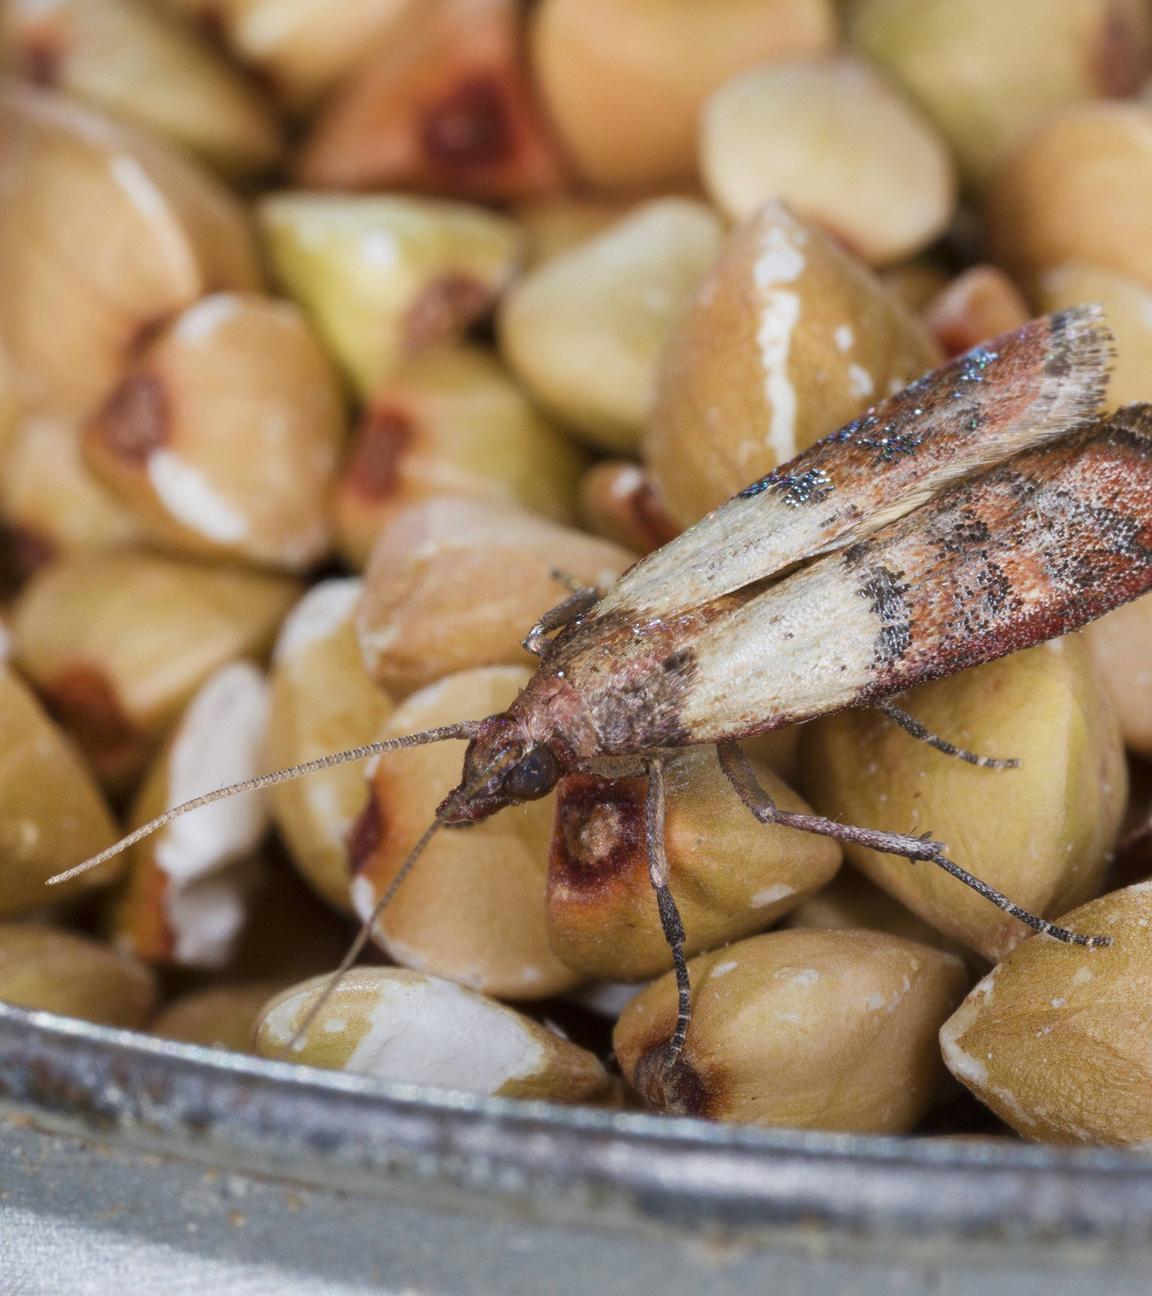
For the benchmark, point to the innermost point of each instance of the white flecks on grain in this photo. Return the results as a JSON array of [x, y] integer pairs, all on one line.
[[1058, 1002], [362, 894], [378, 250], [24, 835], [193, 500], [806, 977], [262, 29], [139, 186], [770, 895], [609, 998], [983, 989], [328, 811], [320, 613], [435, 1032], [860, 381], [334, 1025], [722, 969], [1006, 1096], [627, 481], [201, 321], [277, 1023], [205, 918], [781, 261], [844, 337], [220, 740], [376, 641], [298, 552], [961, 1064], [1082, 975]]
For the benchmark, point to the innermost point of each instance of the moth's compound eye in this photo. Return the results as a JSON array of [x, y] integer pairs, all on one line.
[[533, 775]]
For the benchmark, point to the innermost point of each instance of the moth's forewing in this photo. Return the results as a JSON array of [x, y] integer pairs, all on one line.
[[1030, 550], [1017, 391], [1045, 544]]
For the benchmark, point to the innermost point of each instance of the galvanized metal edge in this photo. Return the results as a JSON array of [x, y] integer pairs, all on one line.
[[609, 1170]]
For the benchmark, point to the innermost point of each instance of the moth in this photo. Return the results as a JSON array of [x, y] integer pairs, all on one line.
[[983, 509]]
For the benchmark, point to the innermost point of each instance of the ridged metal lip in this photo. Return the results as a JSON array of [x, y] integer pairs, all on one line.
[[618, 1170]]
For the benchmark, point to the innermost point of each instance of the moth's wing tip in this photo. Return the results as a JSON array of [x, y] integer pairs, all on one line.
[[1085, 330], [1081, 351]]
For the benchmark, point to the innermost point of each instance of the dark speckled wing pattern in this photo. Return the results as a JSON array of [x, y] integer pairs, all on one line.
[[1028, 551], [1017, 391]]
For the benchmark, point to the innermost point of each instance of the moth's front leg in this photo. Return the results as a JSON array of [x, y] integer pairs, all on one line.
[[736, 766], [581, 600]]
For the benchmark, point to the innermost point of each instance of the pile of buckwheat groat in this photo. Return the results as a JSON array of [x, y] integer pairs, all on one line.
[[331, 329]]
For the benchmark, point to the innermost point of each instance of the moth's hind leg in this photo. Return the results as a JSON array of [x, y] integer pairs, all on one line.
[[736, 766], [912, 726]]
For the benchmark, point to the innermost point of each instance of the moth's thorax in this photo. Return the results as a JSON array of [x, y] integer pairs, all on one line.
[[553, 710], [616, 685]]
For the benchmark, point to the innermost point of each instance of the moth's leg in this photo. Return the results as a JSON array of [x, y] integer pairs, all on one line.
[[912, 726], [570, 583], [669, 914], [740, 774], [574, 606]]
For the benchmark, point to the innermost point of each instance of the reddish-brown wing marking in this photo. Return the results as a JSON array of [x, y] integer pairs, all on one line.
[[1030, 550], [1014, 392], [1039, 547]]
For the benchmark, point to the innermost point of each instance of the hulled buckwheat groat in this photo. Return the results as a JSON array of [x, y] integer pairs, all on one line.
[[831, 1030], [1060, 1048], [395, 1024]]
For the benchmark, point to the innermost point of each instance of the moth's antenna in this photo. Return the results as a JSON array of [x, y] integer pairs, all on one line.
[[365, 932], [366, 927], [466, 729]]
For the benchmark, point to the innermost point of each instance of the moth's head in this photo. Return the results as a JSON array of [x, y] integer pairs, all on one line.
[[504, 765]]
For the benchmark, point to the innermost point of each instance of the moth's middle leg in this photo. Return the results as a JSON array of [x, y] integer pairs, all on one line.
[[737, 767], [669, 915]]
